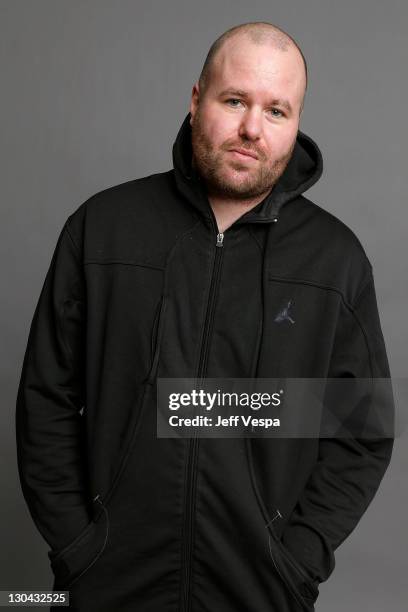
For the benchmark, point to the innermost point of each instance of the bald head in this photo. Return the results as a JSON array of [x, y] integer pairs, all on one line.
[[260, 33]]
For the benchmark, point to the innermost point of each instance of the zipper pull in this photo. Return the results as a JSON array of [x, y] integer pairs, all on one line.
[[220, 238], [277, 514]]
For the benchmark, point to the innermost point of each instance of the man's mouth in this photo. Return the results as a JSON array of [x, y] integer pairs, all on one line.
[[243, 154]]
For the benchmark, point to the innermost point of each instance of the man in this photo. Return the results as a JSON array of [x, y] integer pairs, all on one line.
[[219, 267]]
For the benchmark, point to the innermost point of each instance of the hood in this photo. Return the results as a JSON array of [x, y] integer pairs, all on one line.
[[303, 170]]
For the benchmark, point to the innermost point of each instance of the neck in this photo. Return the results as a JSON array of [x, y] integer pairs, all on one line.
[[227, 211]]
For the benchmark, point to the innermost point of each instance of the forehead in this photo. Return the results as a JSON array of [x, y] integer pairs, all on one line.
[[260, 68]]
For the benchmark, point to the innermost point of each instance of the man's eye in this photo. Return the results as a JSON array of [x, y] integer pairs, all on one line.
[[276, 109], [233, 100]]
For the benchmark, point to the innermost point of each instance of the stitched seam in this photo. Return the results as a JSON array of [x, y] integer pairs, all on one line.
[[99, 552], [78, 258], [56, 555], [146, 265], [64, 335], [252, 234], [77, 251], [286, 582], [310, 284], [365, 336], [161, 321], [353, 309], [171, 252], [365, 286], [119, 261], [125, 457], [179, 239]]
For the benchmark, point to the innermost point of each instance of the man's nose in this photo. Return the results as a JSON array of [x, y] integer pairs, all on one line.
[[251, 124]]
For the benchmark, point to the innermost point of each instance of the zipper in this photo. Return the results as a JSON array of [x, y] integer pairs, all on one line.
[[191, 472], [191, 476], [220, 240]]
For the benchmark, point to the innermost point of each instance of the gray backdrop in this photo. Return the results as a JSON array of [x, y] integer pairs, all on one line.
[[93, 93]]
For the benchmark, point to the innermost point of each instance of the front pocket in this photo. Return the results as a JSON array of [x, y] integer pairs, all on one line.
[[72, 561], [157, 334], [297, 582], [295, 577], [124, 459]]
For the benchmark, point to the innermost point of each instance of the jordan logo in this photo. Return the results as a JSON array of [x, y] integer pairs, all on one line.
[[283, 315]]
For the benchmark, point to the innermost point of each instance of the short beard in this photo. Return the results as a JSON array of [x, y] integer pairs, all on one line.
[[209, 169]]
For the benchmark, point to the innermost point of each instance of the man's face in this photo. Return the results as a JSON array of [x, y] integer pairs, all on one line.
[[225, 120]]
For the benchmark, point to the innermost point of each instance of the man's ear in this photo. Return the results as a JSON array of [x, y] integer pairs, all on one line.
[[195, 95]]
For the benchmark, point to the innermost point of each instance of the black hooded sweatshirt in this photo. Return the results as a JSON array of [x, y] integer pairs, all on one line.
[[142, 285]]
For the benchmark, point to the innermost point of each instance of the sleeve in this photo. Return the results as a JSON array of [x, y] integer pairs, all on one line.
[[349, 470], [49, 426]]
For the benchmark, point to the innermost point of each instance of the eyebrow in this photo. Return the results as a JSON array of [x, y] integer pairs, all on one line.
[[244, 94]]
